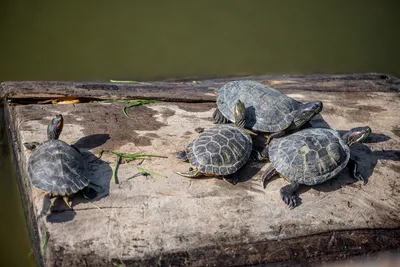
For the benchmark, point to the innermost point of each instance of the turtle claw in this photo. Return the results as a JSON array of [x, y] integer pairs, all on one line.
[[290, 201], [67, 202], [232, 181]]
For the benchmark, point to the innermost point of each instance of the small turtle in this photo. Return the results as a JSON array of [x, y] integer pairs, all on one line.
[[219, 151], [267, 110], [55, 166], [312, 156]]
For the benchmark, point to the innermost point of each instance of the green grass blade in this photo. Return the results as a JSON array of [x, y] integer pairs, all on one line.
[[124, 81], [115, 174], [46, 240], [130, 156], [137, 102], [150, 172]]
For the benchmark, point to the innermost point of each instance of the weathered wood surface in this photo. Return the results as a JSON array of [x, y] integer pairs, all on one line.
[[179, 221], [196, 90]]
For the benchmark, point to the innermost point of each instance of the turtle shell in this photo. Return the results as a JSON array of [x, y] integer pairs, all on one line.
[[57, 168], [311, 156], [267, 109], [220, 150]]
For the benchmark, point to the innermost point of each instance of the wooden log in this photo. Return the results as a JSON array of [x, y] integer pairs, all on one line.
[[195, 90], [177, 221]]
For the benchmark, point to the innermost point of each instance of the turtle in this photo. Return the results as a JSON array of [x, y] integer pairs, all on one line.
[[55, 166], [312, 156], [220, 150], [267, 110]]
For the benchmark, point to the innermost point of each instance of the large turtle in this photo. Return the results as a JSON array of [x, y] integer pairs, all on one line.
[[55, 166], [267, 110], [312, 156], [219, 151]]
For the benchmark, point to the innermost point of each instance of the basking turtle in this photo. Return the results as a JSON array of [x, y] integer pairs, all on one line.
[[312, 156], [267, 110], [219, 151], [55, 166]]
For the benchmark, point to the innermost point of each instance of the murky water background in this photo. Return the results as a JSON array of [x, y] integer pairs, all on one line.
[[15, 245], [102, 40]]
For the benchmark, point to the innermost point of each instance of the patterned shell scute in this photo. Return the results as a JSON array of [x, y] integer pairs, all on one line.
[[310, 156], [267, 109], [57, 168], [220, 150]]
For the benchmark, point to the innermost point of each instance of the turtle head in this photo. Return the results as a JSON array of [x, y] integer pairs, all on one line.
[[357, 135], [55, 127], [239, 112], [306, 112]]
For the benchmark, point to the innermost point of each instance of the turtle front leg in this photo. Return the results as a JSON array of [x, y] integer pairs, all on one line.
[[219, 118], [267, 175], [191, 173], [288, 194], [182, 155], [353, 167]]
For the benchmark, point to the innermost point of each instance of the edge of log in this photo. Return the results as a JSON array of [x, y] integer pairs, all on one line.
[[28, 208], [189, 90], [312, 249]]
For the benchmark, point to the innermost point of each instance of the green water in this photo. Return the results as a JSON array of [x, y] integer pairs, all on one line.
[[15, 246], [102, 40]]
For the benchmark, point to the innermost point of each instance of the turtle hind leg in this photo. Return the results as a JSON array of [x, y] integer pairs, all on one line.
[[353, 167], [267, 175], [288, 194], [219, 118]]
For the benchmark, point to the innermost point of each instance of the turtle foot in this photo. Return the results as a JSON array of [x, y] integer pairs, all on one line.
[[288, 195], [290, 201], [182, 155], [31, 145]]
